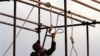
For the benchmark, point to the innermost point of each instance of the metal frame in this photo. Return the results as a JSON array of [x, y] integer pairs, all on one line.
[[96, 1], [55, 7], [46, 27], [98, 10]]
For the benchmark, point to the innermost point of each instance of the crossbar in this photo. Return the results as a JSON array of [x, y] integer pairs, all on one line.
[[23, 19], [62, 10], [97, 1], [35, 22], [55, 7], [17, 26], [98, 10]]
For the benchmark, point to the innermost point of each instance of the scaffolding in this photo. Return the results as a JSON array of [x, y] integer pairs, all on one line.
[[65, 12]]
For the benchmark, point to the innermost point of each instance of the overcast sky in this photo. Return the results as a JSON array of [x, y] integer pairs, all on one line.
[[26, 38]]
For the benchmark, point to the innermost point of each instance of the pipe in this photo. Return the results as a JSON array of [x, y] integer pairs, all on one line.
[[22, 19], [35, 22], [39, 26], [97, 1], [87, 32], [63, 10], [14, 28], [18, 26], [98, 10], [48, 10], [45, 38], [80, 16], [65, 27]]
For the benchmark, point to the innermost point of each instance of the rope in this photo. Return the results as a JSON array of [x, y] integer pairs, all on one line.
[[72, 39], [18, 33], [56, 30], [50, 21]]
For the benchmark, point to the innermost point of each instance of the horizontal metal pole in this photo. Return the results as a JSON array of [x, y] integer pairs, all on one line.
[[97, 1], [35, 22], [18, 26], [48, 10], [81, 16], [86, 5], [54, 7], [81, 24], [43, 9], [22, 19]]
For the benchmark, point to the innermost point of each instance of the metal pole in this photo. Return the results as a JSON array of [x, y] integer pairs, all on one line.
[[39, 21], [87, 5], [23, 19], [45, 38], [14, 30], [65, 22], [18, 26], [87, 32], [49, 10], [35, 22], [97, 1], [60, 9]]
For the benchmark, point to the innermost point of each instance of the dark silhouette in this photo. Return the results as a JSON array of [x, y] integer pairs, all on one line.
[[39, 51]]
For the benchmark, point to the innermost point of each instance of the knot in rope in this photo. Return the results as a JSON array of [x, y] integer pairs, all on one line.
[[48, 4]]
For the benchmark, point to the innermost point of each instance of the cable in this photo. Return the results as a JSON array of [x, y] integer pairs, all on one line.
[[72, 39], [18, 32]]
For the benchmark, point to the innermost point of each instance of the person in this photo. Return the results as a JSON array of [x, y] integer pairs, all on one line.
[[39, 51]]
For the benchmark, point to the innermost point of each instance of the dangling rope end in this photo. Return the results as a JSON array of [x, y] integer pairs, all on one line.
[[48, 4], [72, 40]]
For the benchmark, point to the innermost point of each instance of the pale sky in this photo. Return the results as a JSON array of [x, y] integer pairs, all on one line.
[[26, 38]]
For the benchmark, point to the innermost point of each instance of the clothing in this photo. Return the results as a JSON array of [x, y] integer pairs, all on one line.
[[46, 52]]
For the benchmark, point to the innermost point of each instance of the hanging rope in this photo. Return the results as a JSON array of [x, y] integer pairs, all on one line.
[[50, 21], [72, 39], [56, 30], [18, 33]]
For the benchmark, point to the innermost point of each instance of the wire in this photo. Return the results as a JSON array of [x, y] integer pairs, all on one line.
[[18, 33], [72, 39]]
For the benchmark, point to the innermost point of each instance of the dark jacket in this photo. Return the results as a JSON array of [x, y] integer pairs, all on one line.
[[46, 52]]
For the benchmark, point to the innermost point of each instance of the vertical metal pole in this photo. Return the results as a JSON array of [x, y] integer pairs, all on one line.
[[14, 30], [87, 32], [45, 38], [39, 22], [65, 22]]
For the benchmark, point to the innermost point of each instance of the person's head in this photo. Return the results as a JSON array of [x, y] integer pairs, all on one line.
[[37, 47]]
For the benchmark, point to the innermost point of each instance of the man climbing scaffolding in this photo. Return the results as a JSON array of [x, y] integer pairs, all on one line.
[[39, 51]]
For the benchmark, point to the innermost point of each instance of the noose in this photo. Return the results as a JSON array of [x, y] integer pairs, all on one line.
[[72, 39], [56, 30]]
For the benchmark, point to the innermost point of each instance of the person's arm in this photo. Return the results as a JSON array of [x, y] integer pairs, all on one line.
[[53, 45]]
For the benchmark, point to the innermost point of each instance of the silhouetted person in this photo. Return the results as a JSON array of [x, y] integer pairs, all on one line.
[[39, 51]]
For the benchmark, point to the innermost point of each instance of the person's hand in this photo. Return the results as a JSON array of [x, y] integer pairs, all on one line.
[[53, 35]]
